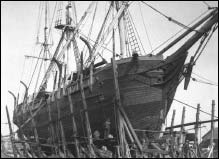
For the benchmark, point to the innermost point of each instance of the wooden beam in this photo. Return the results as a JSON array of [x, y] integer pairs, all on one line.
[[196, 130], [74, 126], [21, 132], [182, 140], [26, 154], [131, 128], [193, 123], [127, 131], [172, 149], [35, 129], [84, 104], [155, 151], [26, 91], [172, 121], [11, 134], [51, 127], [54, 84], [33, 115], [212, 126], [188, 31], [61, 129], [117, 105]]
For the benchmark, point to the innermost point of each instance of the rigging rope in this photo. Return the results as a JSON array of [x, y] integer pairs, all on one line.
[[200, 81], [93, 41], [131, 19], [22, 72], [174, 35], [209, 37], [193, 107], [204, 78], [209, 7], [50, 27], [145, 27], [201, 43], [38, 75], [91, 27], [167, 17], [35, 67], [39, 21]]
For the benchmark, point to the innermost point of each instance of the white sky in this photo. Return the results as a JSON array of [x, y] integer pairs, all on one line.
[[18, 35]]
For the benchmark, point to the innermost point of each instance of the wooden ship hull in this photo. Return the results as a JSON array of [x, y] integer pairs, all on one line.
[[142, 97], [147, 86]]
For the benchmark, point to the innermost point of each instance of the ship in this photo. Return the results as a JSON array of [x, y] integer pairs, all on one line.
[[85, 101]]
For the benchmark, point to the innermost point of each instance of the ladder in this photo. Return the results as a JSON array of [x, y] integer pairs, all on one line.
[[132, 39]]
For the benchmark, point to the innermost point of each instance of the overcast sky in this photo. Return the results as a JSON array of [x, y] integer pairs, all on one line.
[[18, 37]]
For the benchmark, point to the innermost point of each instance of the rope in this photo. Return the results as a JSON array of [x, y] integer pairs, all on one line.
[[204, 78], [22, 72], [50, 27], [209, 7], [131, 19], [35, 68], [39, 21], [200, 81], [201, 43], [209, 37], [193, 107], [91, 27], [145, 28], [167, 17], [174, 35]]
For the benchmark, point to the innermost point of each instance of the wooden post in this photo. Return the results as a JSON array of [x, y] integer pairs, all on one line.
[[60, 125], [84, 104], [51, 127], [65, 72], [172, 121], [64, 145], [26, 91], [117, 105], [163, 115], [15, 106], [11, 134], [196, 129], [26, 154], [171, 133], [92, 62], [182, 131], [127, 131], [212, 127], [15, 101], [131, 128], [35, 129], [54, 84], [74, 126]]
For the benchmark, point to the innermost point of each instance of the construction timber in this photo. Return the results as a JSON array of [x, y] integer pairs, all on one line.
[[98, 111]]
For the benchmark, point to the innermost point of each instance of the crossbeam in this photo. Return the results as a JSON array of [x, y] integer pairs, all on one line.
[[193, 123]]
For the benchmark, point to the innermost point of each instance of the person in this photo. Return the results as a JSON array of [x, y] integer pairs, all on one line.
[[186, 149], [107, 128], [97, 142]]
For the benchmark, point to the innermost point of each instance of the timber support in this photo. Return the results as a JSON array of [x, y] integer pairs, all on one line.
[[74, 126], [84, 104], [11, 134]]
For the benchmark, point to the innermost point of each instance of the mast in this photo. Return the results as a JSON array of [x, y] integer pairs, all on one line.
[[58, 53], [121, 27], [45, 44], [71, 21]]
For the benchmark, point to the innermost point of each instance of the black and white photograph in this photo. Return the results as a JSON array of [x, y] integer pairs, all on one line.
[[109, 79]]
